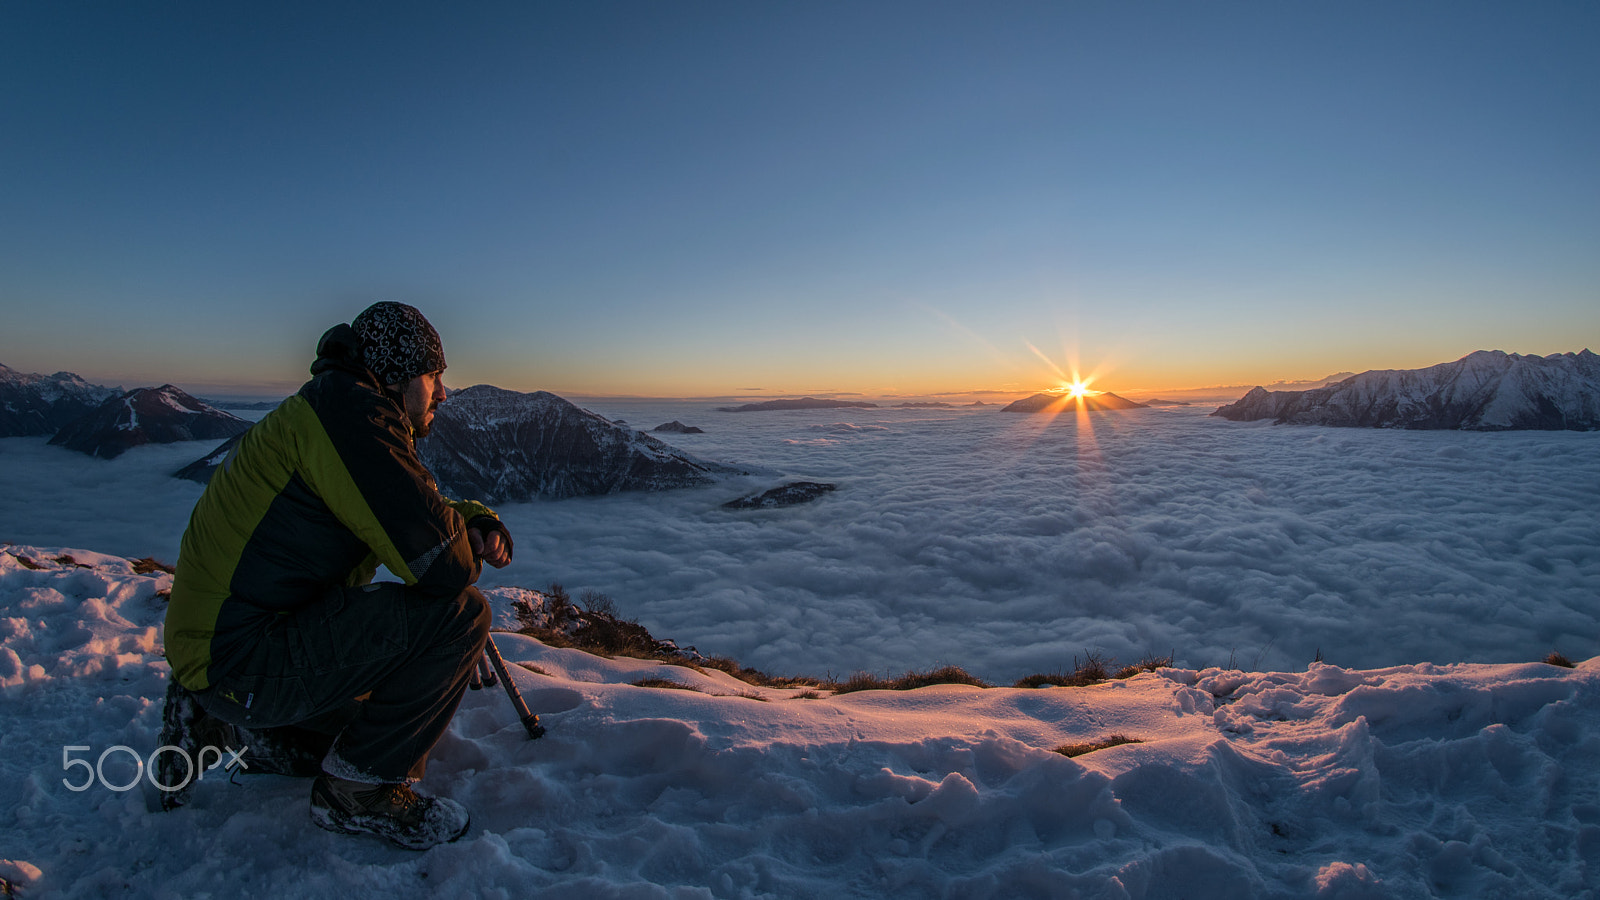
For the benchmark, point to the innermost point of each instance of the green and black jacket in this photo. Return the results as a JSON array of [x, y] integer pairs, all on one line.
[[315, 495]]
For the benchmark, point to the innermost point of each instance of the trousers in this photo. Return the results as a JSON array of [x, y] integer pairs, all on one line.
[[382, 667]]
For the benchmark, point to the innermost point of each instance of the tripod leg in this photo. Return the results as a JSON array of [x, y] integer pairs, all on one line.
[[530, 722]]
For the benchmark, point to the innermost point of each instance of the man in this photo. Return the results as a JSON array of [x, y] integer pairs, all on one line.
[[274, 625]]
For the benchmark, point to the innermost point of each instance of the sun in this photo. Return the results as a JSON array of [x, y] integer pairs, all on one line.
[[1077, 389]]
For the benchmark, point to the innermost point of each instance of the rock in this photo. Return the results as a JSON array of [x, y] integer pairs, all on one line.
[[791, 494], [676, 427]]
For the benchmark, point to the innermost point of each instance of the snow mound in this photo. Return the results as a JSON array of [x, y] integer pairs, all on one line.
[[1415, 781]]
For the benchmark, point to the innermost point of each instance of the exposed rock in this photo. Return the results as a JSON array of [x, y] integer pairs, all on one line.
[[1484, 391], [1063, 402], [32, 404], [160, 415], [676, 427], [503, 446], [791, 494], [200, 470], [801, 403]]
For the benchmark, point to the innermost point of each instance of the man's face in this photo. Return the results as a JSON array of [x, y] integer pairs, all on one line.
[[422, 394]]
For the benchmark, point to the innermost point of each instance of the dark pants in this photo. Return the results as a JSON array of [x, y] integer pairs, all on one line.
[[414, 655]]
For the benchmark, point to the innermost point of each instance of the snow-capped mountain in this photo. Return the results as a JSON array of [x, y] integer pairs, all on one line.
[[1488, 390], [146, 416], [497, 446], [32, 404]]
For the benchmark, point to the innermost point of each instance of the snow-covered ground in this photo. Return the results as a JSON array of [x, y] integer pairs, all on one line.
[[1412, 781]]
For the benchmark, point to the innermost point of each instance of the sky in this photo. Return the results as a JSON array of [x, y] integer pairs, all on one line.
[[718, 198]]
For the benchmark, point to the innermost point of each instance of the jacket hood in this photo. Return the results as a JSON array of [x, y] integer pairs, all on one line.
[[340, 349]]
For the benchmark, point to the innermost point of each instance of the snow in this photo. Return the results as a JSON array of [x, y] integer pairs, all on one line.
[[165, 397], [130, 420], [1408, 781], [1486, 390]]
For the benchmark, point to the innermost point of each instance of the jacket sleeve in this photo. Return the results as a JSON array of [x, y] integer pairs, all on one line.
[[366, 469]]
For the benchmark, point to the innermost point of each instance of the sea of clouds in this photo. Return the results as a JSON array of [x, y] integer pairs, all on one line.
[[1015, 544]]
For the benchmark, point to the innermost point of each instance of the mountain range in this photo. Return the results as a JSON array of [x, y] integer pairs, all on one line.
[[1488, 390], [799, 403], [32, 404]]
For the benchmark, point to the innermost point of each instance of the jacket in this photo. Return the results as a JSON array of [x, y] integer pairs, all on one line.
[[316, 494]]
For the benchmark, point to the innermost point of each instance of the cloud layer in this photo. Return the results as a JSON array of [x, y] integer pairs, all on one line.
[[1012, 544]]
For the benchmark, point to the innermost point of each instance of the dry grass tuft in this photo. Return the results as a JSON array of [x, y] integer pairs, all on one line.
[[663, 683], [150, 565], [1094, 669], [910, 681], [1115, 740], [1557, 659]]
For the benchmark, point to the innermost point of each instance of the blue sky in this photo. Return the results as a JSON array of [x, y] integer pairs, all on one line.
[[689, 199]]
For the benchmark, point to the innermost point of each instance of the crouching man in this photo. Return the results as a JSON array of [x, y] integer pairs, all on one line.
[[276, 634]]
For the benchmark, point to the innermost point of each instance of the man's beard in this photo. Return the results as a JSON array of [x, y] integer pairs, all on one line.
[[421, 422]]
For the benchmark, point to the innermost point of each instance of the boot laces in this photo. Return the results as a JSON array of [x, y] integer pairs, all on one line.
[[396, 801]]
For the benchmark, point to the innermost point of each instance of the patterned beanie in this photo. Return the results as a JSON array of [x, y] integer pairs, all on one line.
[[397, 343]]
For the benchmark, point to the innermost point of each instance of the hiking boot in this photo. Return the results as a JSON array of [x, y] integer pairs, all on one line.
[[393, 811], [187, 726]]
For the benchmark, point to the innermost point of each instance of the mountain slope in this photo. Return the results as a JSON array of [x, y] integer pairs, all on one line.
[[147, 416], [1055, 403], [32, 404], [497, 446], [1488, 390]]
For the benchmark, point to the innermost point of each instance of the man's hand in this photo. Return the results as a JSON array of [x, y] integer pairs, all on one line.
[[491, 547]]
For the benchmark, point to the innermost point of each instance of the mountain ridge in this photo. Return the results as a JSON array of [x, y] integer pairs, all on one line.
[[1486, 390], [162, 415], [500, 446], [1062, 402], [32, 404]]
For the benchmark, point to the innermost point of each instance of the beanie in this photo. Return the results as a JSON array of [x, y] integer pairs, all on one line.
[[397, 343]]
